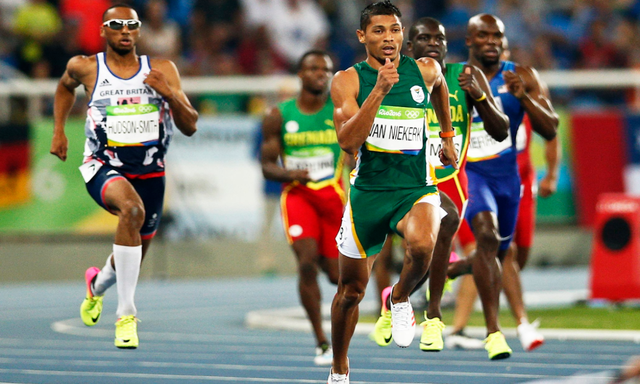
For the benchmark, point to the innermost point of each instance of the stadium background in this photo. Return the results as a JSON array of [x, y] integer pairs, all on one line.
[[237, 57]]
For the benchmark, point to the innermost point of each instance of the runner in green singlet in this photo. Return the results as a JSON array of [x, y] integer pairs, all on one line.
[[300, 133], [379, 117], [468, 89]]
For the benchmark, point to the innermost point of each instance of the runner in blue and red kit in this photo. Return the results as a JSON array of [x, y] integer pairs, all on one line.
[[492, 169], [134, 103]]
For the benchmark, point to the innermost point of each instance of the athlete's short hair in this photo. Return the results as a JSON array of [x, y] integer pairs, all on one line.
[[119, 5], [375, 9], [312, 52], [413, 31]]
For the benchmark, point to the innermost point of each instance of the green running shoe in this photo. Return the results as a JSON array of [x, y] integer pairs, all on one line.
[[431, 340], [497, 346], [127, 332], [91, 307], [382, 330]]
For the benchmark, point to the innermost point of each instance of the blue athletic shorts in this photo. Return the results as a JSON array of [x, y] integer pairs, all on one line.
[[150, 190], [498, 195]]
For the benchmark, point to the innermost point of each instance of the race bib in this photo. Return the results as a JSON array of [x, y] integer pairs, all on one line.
[[132, 125], [435, 144], [482, 146], [319, 162], [89, 169], [397, 130]]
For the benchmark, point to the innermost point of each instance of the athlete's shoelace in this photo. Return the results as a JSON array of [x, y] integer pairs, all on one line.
[[402, 317], [432, 327], [128, 326], [338, 378], [386, 317]]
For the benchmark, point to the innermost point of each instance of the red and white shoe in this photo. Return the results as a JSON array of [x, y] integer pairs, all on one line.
[[529, 336]]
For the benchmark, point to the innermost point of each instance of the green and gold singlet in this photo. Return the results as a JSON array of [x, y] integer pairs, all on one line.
[[309, 142], [459, 120], [395, 155]]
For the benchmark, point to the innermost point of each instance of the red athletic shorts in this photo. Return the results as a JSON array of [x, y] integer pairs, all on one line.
[[525, 226], [456, 189], [317, 214]]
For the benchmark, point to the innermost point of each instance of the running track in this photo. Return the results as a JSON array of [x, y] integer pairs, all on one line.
[[196, 332]]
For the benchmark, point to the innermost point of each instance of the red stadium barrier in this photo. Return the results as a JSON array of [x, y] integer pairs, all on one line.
[[615, 259], [599, 158]]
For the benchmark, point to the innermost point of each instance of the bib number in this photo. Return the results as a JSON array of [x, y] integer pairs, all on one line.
[[435, 145], [320, 167], [482, 146], [132, 125], [397, 130]]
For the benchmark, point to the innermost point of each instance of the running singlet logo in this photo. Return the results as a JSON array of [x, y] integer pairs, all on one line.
[[132, 125], [397, 130], [318, 161]]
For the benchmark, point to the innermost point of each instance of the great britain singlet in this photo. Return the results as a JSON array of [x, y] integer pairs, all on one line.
[[310, 142], [129, 125], [459, 120], [487, 156], [395, 155]]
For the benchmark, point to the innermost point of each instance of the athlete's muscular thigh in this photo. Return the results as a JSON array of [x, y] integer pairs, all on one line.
[[485, 230], [120, 196], [420, 226]]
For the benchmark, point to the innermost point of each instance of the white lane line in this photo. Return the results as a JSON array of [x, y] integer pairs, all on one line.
[[39, 372], [263, 345], [294, 319], [295, 358], [422, 373]]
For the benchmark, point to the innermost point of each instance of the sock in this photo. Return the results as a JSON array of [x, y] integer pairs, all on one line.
[[105, 279], [127, 260]]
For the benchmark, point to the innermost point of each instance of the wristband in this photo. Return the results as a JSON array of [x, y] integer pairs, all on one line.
[[484, 96], [447, 134]]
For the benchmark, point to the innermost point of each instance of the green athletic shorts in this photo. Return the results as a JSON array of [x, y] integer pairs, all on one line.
[[370, 215]]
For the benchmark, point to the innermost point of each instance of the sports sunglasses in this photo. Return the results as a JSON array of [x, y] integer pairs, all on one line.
[[118, 24]]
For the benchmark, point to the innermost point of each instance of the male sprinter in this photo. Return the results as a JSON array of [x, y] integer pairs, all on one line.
[[468, 89], [494, 183], [380, 117], [134, 102], [300, 132]]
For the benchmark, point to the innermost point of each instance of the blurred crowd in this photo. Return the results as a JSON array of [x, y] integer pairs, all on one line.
[[233, 37]]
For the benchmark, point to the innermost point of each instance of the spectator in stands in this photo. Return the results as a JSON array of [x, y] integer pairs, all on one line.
[[597, 51], [297, 26], [220, 15], [8, 42], [162, 36], [36, 23], [256, 55], [61, 50], [521, 17], [455, 19]]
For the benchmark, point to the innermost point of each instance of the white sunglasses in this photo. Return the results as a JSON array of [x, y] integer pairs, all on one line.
[[118, 24]]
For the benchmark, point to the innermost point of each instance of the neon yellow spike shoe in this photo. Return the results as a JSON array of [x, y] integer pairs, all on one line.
[[382, 330], [127, 332], [497, 346], [91, 307], [431, 340]]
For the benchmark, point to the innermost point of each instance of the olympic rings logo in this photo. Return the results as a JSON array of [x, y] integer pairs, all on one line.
[[146, 109], [412, 114]]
